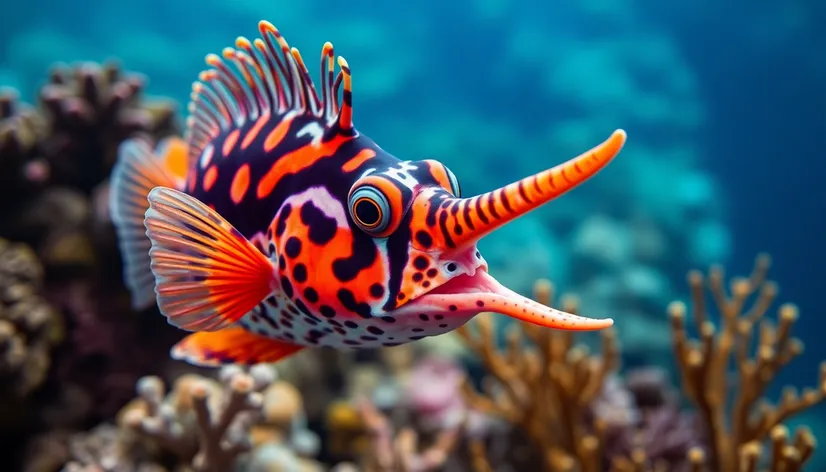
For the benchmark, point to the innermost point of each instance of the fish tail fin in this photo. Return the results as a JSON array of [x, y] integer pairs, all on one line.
[[207, 275], [138, 170], [232, 345]]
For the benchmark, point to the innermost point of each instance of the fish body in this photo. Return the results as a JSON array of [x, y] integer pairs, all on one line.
[[275, 225]]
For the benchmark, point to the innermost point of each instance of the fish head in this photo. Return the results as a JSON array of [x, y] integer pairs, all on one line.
[[427, 233]]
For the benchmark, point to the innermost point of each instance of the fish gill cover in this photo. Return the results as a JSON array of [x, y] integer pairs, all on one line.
[[721, 107]]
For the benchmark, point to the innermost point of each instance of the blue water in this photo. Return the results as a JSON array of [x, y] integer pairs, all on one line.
[[724, 104]]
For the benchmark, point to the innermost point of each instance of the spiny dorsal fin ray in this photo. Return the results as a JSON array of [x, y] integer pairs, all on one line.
[[265, 77]]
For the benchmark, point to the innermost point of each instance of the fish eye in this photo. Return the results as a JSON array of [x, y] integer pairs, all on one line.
[[455, 188], [370, 209]]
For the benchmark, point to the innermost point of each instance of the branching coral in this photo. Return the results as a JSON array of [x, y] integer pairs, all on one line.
[[737, 432], [547, 390], [91, 109], [400, 453], [202, 425], [21, 132], [201, 422], [29, 327]]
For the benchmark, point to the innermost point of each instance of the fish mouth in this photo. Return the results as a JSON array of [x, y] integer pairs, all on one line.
[[474, 293]]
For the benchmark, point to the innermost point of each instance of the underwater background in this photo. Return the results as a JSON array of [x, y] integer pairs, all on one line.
[[724, 104]]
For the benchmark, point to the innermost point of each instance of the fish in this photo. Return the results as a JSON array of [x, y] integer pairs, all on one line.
[[273, 225]]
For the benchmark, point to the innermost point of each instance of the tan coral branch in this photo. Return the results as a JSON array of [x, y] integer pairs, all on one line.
[[736, 434], [545, 384]]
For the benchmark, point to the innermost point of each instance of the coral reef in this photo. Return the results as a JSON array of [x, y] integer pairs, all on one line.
[[200, 425], [91, 109], [552, 390], [73, 353], [73, 348], [391, 452], [22, 130], [736, 434], [29, 327], [547, 390]]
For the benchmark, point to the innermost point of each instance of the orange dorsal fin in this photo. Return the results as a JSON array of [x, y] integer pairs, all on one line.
[[137, 171], [207, 274], [233, 345]]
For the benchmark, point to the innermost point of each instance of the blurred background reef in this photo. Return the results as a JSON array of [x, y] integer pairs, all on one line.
[[705, 369]]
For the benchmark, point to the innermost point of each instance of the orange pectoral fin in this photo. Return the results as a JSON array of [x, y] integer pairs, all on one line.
[[207, 274], [233, 345]]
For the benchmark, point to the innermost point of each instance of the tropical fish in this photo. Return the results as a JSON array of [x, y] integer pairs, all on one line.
[[275, 225]]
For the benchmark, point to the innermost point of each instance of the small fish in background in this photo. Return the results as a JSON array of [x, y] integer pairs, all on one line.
[[276, 225]]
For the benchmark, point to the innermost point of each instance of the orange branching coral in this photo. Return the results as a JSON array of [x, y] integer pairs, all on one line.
[[737, 433], [547, 390]]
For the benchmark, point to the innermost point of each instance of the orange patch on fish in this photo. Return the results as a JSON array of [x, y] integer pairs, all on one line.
[[240, 184], [210, 177], [363, 156], [277, 135], [255, 131], [230, 142], [296, 161]]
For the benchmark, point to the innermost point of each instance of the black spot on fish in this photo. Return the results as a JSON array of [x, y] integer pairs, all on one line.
[[321, 227], [293, 247], [375, 330], [281, 224], [287, 287], [303, 308], [311, 295], [423, 238], [326, 311], [364, 254], [351, 324], [388, 319], [420, 262], [376, 290], [300, 273], [349, 301]]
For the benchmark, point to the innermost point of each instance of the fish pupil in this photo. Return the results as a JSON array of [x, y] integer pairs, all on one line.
[[368, 212]]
